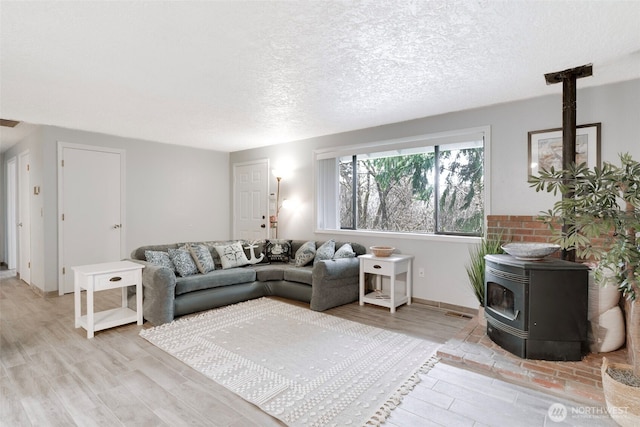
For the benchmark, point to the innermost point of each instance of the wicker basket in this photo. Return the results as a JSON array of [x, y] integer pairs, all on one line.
[[382, 251], [623, 401]]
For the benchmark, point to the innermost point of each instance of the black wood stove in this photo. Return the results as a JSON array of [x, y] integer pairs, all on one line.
[[537, 309]]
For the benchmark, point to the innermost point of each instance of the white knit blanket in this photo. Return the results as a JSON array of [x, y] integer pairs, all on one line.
[[303, 367]]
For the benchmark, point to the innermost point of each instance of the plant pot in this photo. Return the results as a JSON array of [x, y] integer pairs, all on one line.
[[623, 401], [482, 320]]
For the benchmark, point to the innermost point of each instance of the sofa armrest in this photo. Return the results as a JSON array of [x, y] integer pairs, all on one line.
[[335, 282], [335, 269], [159, 292]]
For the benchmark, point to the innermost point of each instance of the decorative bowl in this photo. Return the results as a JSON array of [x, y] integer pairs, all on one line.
[[530, 251], [382, 251]]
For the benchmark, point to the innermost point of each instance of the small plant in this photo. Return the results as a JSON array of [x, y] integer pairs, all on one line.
[[476, 267]]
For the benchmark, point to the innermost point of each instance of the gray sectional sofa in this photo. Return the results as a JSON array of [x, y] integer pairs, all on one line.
[[324, 284]]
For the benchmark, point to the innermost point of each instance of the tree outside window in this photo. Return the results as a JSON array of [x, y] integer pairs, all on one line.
[[434, 189]]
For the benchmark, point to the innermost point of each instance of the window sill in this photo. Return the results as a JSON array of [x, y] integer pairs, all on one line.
[[403, 236]]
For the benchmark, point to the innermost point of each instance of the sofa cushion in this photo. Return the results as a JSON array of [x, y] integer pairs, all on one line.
[[214, 279], [160, 258], [279, 250], [305, 254], [202, 257], [256, 251], [265, 273], [182, 259], [345, 251], [299, 274], [232, 255], [139, 252], [325, 251]]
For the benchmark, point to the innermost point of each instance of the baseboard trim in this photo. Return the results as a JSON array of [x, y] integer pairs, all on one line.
[[42, 293], [446, 306]]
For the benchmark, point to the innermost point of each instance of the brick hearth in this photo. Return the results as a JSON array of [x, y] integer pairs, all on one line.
[[578, 381]]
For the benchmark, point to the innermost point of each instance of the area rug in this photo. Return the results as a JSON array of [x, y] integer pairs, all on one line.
[[302, 367]]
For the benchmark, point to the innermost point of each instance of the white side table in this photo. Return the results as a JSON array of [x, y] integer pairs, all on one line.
[[390, 266], [100, 277]]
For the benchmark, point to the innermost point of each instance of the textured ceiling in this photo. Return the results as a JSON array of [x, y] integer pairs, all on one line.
[[241, 74]]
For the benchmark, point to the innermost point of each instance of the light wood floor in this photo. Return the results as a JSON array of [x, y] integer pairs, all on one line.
[[52, 375]]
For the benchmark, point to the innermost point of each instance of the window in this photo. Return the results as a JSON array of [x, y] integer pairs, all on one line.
[[427, 185]]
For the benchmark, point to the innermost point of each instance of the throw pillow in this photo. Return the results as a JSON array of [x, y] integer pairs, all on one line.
[[182, 259], [202, 258], [232, 255], [345, 251], [279, 250], [305, 254], [256, 252], [325, 251], [159, 258]]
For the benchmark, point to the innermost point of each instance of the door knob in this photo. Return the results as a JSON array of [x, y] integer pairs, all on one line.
[[263, 226], [117, 226], [19, 224]]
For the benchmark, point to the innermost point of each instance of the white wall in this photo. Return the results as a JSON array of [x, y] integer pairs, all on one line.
[[616, 106], [173, 194], [181, 194]]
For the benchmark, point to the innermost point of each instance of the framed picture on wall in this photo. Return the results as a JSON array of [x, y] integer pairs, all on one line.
[[545, 147]]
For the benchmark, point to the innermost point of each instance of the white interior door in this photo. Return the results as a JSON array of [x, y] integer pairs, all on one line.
[[24, 217], [12, 218], [91, 208], [251, 195]]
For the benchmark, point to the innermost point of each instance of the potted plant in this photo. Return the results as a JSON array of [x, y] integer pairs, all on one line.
[[601, 218], [476, 267]]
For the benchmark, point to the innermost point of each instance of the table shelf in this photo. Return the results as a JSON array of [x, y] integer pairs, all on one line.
[[109, 318]]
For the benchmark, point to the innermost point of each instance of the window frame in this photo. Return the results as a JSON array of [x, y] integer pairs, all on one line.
[[424, 140]]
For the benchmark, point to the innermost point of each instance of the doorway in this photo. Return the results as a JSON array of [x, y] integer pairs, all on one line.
[[251, 196], [91, 208], [24, 218], [12, 223]]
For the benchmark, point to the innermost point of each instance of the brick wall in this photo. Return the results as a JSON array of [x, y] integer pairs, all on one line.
[[525, 228], [518, 228]]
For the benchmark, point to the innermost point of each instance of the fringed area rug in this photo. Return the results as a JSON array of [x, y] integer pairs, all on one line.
[[303, 367]]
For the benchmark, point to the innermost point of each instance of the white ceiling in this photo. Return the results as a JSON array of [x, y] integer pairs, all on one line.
[[231, 75]]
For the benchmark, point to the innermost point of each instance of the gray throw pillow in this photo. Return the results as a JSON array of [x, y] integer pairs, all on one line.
[[232, 255], [202, 257], [159, 258], [182, 259], [325, 251], [345, 251], [305, 254]]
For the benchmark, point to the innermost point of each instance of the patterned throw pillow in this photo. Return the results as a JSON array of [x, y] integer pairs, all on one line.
[[325, 251], [202, 258], [159, 258], [232, 255], [256, 251], [305, 254], [345, 251], [279, 250], [182, 259]]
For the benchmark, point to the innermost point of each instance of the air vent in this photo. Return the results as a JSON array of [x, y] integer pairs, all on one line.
[[9, 123]]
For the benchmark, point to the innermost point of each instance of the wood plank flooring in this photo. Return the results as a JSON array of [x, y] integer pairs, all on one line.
[[52, 375]]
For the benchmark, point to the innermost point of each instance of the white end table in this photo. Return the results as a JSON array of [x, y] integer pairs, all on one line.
[[390, 266], [100, 277]]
